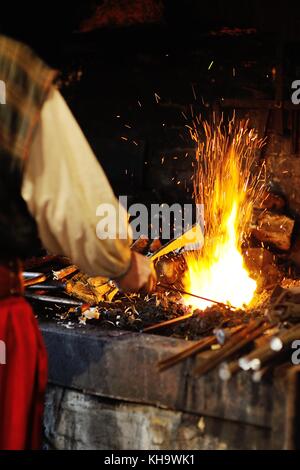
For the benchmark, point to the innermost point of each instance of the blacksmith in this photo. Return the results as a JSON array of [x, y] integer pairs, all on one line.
[[51, 185]]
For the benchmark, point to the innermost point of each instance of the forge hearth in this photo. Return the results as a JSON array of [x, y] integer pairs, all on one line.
[[115, 378], [188, 104], [119, 373]]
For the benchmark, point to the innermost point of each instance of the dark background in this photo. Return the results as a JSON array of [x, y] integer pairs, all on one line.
[[134, 81]]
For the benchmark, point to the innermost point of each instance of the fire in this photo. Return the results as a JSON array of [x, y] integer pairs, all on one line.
[[227, 183]]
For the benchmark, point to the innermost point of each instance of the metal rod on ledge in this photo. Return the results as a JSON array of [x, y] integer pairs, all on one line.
[[199, 346], [35, 280], [183, 292], [167, 323], [54, 286], [55, 300], [241, 339], [196, 348]]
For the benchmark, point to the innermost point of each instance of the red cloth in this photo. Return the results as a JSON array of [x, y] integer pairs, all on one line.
[[23, 378]]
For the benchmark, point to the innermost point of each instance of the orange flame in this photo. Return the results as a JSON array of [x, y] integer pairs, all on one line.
[[227, 183]]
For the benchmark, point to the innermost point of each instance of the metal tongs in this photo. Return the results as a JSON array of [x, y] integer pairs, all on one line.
[[191, 239]]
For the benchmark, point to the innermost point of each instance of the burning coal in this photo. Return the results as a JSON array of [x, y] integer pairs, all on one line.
[[227, 181]]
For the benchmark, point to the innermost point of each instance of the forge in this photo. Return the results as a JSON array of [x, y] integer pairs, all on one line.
[[191, 110], [206, 358]]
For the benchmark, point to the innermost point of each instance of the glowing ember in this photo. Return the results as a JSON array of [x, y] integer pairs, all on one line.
[[227, 183]]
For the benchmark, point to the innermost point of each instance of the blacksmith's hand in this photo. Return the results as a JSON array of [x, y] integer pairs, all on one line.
[[141, 276]]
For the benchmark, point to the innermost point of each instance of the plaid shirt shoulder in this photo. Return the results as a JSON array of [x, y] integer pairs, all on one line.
[[25, 83]]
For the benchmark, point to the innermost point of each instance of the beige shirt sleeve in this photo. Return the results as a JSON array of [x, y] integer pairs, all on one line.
[[63, 185]]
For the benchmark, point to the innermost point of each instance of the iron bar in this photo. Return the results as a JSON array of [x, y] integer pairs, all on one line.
[[183, 292], [196, 348], [55, 300], [35, 280], [167, 323], [237, 342]]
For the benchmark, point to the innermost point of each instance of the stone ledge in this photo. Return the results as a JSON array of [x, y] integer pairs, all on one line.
[[122, 366]]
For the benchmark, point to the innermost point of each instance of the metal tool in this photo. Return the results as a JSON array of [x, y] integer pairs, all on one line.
[[36, 280], [191, 238], [53, 299], [170, 322], [31, 275], [183, 292], [54, 286]]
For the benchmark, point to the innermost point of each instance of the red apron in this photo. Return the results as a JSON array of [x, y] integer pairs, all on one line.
[[23, 377]]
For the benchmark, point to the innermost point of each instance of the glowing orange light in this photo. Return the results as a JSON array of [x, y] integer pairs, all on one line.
[[227, 183]]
